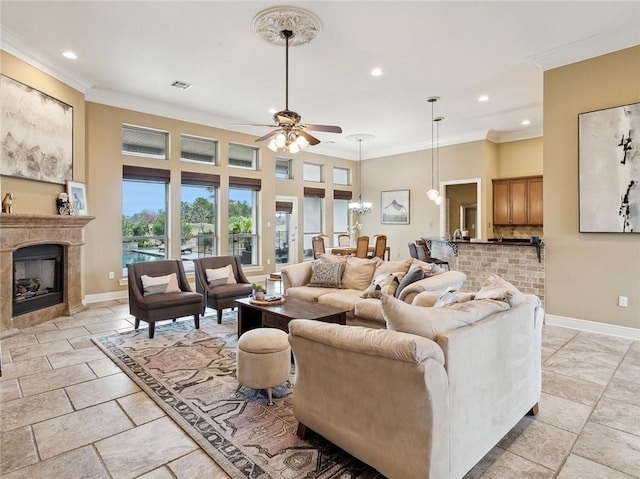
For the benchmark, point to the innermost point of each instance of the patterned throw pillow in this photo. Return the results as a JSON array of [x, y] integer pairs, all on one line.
[[220, 276], [160, 284], [385, 283], [326, 275]]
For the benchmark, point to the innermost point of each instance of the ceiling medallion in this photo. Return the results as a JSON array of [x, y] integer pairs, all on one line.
[[269, 24]]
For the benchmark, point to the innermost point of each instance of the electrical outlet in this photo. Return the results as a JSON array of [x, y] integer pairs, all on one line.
[[268, 260], [623, 301], [112, 275]]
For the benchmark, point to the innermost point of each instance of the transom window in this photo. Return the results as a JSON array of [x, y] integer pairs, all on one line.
[[283, 168], [340, 176], [194, 148], [146, 142], [241, 156], [312, 172]]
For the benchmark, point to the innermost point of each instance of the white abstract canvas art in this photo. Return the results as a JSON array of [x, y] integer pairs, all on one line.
[[36, 133], [609, 157]]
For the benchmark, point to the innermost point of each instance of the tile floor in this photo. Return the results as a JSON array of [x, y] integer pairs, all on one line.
[[66, 411]]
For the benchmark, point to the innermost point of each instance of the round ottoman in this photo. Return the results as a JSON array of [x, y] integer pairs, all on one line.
[[263, 359]]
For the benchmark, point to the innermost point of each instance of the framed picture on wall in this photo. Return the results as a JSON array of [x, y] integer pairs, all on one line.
[[394, 207], [609, 170], [77, 197]]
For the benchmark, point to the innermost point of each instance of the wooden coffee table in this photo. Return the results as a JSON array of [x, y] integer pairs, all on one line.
[[251, 316]]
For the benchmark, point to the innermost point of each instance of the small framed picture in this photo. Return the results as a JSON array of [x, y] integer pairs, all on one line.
[[77, 197], [394, 207]]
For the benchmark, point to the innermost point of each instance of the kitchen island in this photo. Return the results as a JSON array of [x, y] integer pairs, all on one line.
[[519, 262]]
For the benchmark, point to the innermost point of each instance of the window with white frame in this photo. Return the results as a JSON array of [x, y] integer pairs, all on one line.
[[340, 218], [283, 168], [202, 150], [243, 219], [340, 176], [242, 156], [145, 142], [312, 172], [312, 213]]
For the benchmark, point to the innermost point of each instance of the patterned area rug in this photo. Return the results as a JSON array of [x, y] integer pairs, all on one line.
[[191, 375]]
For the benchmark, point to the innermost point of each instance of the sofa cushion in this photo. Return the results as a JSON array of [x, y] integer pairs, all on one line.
[[384, 283], [308, 294], [392, 266], [431, 322], [414, 274], [345, 298], [326, 275], [370, 309], [220, 276], [426, 298], [160, 284], [498, 288], [430, 269], [452, 296], [358, 273]]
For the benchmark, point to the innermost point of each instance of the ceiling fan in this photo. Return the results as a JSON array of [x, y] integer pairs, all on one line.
[[289, 134]]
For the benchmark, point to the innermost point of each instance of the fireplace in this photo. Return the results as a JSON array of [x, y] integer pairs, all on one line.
[[47, 282], [38, 272]]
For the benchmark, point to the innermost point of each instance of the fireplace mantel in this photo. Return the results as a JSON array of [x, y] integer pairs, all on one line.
[[21, 230]]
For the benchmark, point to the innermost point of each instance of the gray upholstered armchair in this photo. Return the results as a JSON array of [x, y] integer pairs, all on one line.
[[220, 296], [160, 299]]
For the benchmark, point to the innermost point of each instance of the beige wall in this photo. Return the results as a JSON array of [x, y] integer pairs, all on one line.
[[35, 197], [519, 158], [105, 160], [586, 272]]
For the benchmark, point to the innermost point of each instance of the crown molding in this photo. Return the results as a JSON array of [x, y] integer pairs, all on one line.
[[586, 48], [19, 48]]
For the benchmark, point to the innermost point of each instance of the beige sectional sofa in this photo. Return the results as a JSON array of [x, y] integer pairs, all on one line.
[[428, 403], [357, 277]]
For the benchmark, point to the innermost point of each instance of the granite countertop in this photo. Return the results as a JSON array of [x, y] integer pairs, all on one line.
[[504, 242]]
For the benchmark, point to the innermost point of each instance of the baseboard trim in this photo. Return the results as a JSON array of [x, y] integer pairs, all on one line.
[[592, 326], [100, 297]]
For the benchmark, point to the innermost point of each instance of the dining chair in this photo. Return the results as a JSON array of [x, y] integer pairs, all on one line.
[[327, 242], [362, 246], [318, 246], [380, 246], [424, 254], [344, 240]]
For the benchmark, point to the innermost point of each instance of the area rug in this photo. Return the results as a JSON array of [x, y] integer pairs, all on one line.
[[191, 375]]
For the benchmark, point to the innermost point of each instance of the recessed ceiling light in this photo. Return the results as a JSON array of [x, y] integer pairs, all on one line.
[[525, 122], [70, 55], [483, 98], [376, 72]]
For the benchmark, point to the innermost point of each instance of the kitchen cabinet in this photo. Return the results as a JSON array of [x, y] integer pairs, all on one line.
[[517, 201]]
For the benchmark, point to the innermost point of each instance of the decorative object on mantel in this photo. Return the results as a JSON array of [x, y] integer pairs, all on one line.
[[65, 207], [360, 207], [7, 203], [77, 197], [609, 170], [36, 131]]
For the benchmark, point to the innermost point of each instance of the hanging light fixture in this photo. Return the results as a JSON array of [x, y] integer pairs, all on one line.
[[433, 193], [437, 120], [360, 207]]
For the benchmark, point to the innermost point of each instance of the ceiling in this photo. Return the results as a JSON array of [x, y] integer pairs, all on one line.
[[130, 52]]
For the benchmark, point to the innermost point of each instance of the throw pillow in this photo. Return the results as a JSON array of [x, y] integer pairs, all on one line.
[[392, 266], [497, 288], [452, 296], [426, 299], [326, 275], [430, 269], [220, 276], [159, 284], [432, 322], [358, 273], [414, 274], [385, 283], [332, 258]]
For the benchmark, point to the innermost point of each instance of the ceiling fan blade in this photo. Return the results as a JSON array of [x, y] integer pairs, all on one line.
[[329, 128], [311, 139], [253, 124], [268, 135]]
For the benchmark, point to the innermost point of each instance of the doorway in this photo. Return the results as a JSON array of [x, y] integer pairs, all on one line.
[[286, 226], [463, 207]]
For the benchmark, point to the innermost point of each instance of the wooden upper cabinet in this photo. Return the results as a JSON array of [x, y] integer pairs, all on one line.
[[517, 201]]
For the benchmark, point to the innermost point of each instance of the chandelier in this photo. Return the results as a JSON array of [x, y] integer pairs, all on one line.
[[360, 208]]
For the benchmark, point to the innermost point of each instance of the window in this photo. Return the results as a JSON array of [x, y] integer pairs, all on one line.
[[283, 168], [341, 201], [144, 215], [340, 176], [312, 218], [198, 200], [312, 172], [139, 141], [241, 156], [193, 148], [243, 219]]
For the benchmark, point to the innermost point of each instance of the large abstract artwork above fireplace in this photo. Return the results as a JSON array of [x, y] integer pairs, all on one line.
[[48, 241]]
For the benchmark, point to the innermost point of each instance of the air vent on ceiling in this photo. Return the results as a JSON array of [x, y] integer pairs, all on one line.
[[182, 85]]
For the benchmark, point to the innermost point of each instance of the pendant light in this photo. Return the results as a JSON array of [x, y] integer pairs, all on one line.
[[433, 193], [360, 208], [437, 120]]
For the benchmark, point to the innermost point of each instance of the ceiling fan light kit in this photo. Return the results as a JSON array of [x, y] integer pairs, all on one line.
[[289, 26]]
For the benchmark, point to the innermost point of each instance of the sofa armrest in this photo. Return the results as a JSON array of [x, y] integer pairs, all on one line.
[[297, 274], [439, 282], [380, 395]]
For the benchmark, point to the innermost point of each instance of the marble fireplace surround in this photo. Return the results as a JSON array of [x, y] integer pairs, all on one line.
[[20, 230]]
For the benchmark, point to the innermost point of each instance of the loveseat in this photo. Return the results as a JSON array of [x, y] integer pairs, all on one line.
[[427, 405], [357, 277]]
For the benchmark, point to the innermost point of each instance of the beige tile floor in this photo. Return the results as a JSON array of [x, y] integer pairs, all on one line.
[[66, 411]]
